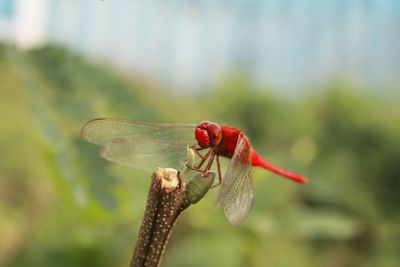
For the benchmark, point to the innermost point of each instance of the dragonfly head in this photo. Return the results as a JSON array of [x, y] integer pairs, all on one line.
[[208, 134]]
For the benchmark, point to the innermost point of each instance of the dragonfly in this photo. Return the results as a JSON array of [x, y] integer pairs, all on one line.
[[146, 145]]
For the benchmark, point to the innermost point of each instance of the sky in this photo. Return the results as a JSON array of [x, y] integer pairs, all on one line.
[[192, 44]]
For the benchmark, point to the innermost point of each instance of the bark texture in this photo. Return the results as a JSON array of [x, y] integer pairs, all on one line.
[[165, 201]]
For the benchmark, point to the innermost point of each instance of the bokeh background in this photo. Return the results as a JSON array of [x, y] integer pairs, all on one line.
[[314, 84]]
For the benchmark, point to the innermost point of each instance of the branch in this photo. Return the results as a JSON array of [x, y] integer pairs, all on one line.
[[165, 201]]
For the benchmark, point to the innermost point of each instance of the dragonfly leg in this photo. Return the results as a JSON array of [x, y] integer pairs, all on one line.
[[210, 162], [219, 173], [206, 156], [196, 150], [195, 169], [210, 154]]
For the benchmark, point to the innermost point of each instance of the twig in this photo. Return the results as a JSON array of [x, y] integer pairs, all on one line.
[[165, 201]]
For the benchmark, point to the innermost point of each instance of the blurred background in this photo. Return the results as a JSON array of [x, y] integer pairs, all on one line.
[[315, 86]]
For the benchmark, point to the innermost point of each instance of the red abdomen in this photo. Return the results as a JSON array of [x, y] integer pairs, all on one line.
[[227, 147]]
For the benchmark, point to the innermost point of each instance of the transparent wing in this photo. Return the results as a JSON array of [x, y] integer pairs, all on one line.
[[102, 131], [145, 153], [236, 192], [140, 145]]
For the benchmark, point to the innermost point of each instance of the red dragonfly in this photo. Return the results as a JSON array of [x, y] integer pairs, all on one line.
[[145, 145]]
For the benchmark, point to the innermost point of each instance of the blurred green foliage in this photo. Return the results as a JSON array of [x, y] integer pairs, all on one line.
[[63, 205]]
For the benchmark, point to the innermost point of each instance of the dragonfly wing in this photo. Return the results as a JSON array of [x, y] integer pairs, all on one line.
[[145, 153], [141, 145], [102, 131], [236, 192]]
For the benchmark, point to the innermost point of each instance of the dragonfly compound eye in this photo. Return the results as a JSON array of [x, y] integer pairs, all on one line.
[[214, 133], [202, 138]]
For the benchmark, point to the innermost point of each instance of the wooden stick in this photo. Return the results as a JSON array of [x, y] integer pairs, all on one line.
[[165, 201]]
